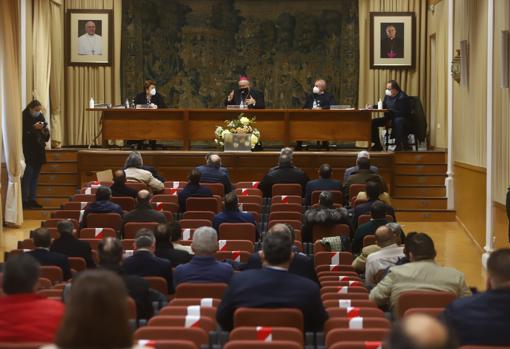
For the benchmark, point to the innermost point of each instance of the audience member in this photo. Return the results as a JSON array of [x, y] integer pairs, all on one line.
[[101, 205], [421, 274], [165, 248], [143, 212], [419, 331], [377, 219], [25, 316], [110, 252], [212, 172], [119, 187], [300, 264], [483, 319], [232, 214], [386, 257], [373, 192], [363, 175], [144, 263], [133, 167], [176, 234], [325, 182], [383, 195], [96, 315], [193, 189], [354, 169], [326, 215], [273, 287], [42, 253], [285, 172], [203, 266], [70, 246]]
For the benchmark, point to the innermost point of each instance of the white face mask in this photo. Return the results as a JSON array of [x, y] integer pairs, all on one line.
[[316, 90], [153, 92], [387, 92]]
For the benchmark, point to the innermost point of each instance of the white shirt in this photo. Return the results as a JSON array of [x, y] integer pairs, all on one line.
[[90, 45], [382, 259]]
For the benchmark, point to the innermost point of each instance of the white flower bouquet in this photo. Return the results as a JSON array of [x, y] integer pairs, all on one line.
[[240, 125]]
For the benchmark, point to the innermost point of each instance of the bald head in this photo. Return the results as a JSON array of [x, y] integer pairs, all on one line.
[[279, 228], [321, 84], [119, 177], [143, 197], [384, 236], [214, 160], [426, 332], [90, 27]]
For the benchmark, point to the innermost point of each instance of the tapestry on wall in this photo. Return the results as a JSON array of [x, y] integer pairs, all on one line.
[[196, 50]]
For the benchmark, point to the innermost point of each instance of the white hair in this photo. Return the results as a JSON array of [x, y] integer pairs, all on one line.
[[363, 154], [205, 241]]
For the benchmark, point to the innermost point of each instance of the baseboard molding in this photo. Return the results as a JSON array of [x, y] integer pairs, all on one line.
[[468, 233]]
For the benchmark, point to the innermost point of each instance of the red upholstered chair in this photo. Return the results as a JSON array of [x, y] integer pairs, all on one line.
[[52, 223], [355, 202], [434, 312], [26, 244], [195, 223], [355, 323], [254, 184], [320, 231], [337, 283], [68, 214], [274, 317], [286, 208], [335, 269], [248, 192], [344, 289], [95, 184], [171, 191], [175, 184], [94, 243], [237, 231], [51, 272], [235, 245], [364, 312], [43, 283], [97, 233], [77, 263], [250, 207], [127, 203], [349, 335], [255, 344], [131, 228], [184, 310], [286, 189], [357, 345], [267, 334], [168, 344], [215, 188], [354, 189], [74, 205], [423, 299], [50, 292], [206, 323], [369, 240], [236, 256], [165, 198], [157, 283], [337, 296], [285, 215], [203, 302], [83, 197], [208, 290], [332, 258], [338, 196], [250, 199], [202, 204], [338, 278], [349, 303], [163, 206], [104, 220], [197, 335], [208, 215], [287, 199]]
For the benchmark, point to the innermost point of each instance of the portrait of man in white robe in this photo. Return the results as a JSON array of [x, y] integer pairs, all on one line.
[[90, 43]]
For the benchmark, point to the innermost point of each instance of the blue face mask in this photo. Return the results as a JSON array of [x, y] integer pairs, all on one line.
[[37, 113]]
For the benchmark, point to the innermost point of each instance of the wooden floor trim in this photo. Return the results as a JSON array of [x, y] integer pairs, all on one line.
[[469, 234]]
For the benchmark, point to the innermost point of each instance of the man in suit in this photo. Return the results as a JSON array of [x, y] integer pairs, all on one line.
[[70, 246], [273, 287], [232, 214], [377, 219], [483, 318], [373, 192], [144, 263], [203, 266], [165, 248], [363, 175], [143, 212], [245, 95], [319, 95], [325, 182], [421, 274], [285, 172], [212, 172], [24, 315], [193, 189], [354, 169], [42, 253], [110, 252], [119, 187], [101, 205], [300, 265]]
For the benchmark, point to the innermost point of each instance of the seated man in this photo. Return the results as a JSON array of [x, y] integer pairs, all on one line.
[[143, 212], [377, 219], [301, 264], [212, 172], [354, 169], [135, 171], [176, 236], [389, 254], [421, 274], [101, 205], [203, 266], [373, 193], [193, 189], [232, 214], [325, 182], [285, 172], [325, 215], [24, 315], [363, 175], [483, 318], [245, 95], [119, 187], [273, 287], [42, 253], [164, 247], [144, 263], [70, 246]]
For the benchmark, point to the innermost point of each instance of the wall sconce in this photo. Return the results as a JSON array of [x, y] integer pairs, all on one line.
[[455, 67]]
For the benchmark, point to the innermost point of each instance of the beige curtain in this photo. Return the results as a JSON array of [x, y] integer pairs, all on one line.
[[84, 82], [11, 108], [372, 81], [57, 71]]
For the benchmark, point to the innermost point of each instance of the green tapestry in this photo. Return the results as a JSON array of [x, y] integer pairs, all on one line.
[[196, 50]]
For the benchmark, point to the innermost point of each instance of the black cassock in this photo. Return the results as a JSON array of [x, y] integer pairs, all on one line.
[[157, 99], [325, 100], [257, 95]]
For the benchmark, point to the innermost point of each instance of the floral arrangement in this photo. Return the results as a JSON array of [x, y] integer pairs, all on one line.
[[241, 125]]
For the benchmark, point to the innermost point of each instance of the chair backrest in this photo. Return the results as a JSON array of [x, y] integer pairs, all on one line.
[[329, 258], [237, 231], [165, 198], [286, 207], [206, 323], [320, 231], [287, 199], [104, 220], [255, 344], [369, 240], [215, 188], [183, 310], [163, 206], [136, 185], [357, 345], [336, 269], [175, 184], [251, 199], [68, 214], [51, 272], [267, 334], [127, 203], [43, 283], [292, 222], [208, 215], [26, 244], [97, 233], [344, 334], [273, 216], [157, 283], [195, 290], [337, 296], [354, 189], [434, 312], [195, 223], [286, 189], [168, 344], [341, 283], [365, 218], [77, 263], [131, 228], [236, 256], [49, 292], [338, 196], [350, 303], [355, 323], [423, 299], [254, 184], [272, 317], [338, 278], [202, 204], [74, 205], [235, 245], [203, 302], [250, 206], [196, 335], [94, 243], [26, 345], [83, 198], [248, 192], [52, 223], [344, 289]]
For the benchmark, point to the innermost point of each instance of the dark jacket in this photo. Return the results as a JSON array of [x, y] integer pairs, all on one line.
[[211, 174], [103, 206], [398, 106], [48, 258], [168, 252], [320, 184], [34, 141], [233, 217], [283, 174], [270, 288], [355, 169], [482, 319], [368, 228], [323, 216], [191, 190], [326, 100], [70, 246], [362, 209], [361, 177], [123, 190], [144, 263], [203, 269], [256, 94], [144, 213], [418, 119], [157, 99]]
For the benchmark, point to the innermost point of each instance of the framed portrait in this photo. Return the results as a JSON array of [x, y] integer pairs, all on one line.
[[392, 40], [89, 37]]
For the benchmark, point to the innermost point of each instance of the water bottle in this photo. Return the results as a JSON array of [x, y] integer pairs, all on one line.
[[314, 106], [91, 103], [126, 103], [379, 104], [242, 105]]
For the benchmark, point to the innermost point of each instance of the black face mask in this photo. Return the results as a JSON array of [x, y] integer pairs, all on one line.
[[244, 90]]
